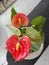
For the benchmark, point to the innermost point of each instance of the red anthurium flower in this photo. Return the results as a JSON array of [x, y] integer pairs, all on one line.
[[20, 19], [18, 48]]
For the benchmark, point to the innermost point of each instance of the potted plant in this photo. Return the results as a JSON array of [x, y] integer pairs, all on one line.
[[25, 38]]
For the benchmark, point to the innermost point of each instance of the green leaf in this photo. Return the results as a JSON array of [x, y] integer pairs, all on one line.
[[35, 46], [13, 12], [38, 22], [42, 34], [14, 30], [33, 34]]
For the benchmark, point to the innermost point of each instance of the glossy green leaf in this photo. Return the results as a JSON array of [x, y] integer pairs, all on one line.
[[13, 12], [14, 30], [35, 46], [33, 34], [38, 22]]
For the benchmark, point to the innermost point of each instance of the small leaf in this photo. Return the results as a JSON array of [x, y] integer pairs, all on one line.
[[33, 34], [35, 46], [13, 12], [38, 22], [23, 29], [14, 30]]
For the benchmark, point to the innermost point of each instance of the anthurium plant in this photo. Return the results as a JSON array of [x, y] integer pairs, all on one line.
[[25, 38]]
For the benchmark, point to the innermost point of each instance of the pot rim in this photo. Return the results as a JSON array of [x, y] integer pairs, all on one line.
[[35, 54]]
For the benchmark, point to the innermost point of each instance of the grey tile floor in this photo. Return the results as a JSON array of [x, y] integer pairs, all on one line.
[[20, 6], [4, 4], [44, 59]]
